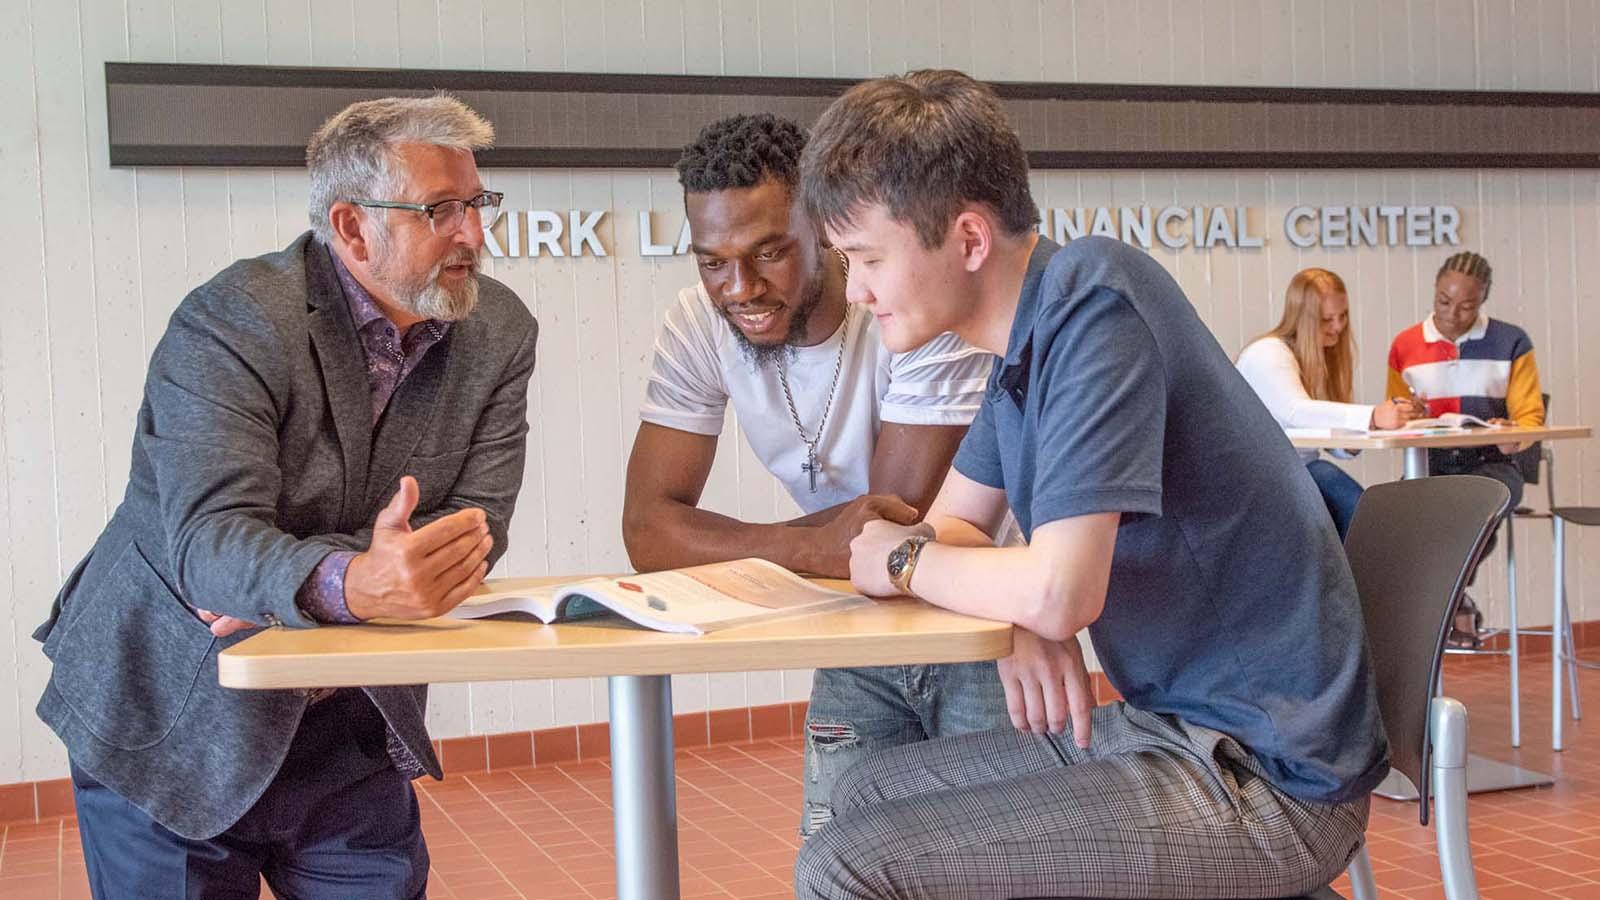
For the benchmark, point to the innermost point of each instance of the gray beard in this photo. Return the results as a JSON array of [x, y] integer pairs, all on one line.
[[435, 301], [424, 296]]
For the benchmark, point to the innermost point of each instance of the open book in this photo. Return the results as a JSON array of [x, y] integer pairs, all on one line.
[[1452, 420], [686, 601], [1460, 421], [1443, 421]]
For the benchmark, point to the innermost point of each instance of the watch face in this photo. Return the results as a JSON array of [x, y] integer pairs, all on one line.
[[897, 559]]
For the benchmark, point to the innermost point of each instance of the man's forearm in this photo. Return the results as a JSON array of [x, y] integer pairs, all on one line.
[[986, 581], [816, 519], [959, 532], [674, 535], [962, 571]]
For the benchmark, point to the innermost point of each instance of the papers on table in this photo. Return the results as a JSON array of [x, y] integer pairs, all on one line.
[[1449, 423], [1315, 434]]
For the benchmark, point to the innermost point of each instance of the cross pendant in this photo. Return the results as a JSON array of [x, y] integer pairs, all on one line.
[[810, 467]]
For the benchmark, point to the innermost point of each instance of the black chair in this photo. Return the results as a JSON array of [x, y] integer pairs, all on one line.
[[1412, 546]]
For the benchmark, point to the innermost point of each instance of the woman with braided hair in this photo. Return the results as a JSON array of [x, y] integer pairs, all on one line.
[[1458, 360]]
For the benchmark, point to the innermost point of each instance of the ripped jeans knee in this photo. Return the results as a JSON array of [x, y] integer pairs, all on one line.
[[857, 712], [831, 747]]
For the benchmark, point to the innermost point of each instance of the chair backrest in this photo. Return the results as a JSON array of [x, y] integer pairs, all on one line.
[[1411, 546]]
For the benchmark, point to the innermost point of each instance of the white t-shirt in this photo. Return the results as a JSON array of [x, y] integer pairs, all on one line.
[[1271, 369], [700, 365]]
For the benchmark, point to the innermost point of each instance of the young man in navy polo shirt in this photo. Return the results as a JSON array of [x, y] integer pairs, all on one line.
[[1166, 514]]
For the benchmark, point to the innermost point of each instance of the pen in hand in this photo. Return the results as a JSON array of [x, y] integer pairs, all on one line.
[[1412, 406]]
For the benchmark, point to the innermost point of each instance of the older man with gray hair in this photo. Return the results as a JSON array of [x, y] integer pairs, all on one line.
[[330, 433]]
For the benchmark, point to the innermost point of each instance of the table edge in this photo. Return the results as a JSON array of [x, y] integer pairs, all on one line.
[[691, 655], [1437, 441]]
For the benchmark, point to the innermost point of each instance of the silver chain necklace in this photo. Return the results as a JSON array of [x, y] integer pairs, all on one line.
[[810, 467]]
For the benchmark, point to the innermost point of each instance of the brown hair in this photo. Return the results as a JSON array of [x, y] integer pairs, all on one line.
[[1326, 372], [921, 146]]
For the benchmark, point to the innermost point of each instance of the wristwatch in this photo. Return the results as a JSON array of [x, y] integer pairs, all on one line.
[[903, 561]]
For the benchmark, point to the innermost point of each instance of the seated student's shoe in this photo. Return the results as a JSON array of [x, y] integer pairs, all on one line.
[[1466, 626]]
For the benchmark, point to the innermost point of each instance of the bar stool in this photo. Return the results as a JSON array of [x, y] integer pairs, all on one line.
[[1559, 517], [1536, 454], [1529, 462]]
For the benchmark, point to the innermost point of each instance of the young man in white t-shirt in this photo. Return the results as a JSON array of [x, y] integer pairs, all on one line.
[[853, 431]]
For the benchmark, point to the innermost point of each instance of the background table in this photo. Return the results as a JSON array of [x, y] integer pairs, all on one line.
[[638, 663], [1482, 774], [1416, 447]]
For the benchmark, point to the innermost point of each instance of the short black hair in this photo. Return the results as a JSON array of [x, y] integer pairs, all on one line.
[[743, 151], [1470, 264]]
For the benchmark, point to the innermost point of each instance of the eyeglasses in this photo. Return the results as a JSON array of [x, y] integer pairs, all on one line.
[[446, 215]]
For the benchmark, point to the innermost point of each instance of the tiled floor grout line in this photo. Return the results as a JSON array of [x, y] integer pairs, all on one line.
[[474, 844], [741, 782], [606, 802], [559, 812], [562, 769], [737, 748]]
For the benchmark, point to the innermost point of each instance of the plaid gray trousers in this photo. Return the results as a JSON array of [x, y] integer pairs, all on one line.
[[1156, 808]]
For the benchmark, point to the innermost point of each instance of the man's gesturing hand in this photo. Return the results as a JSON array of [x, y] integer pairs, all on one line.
[[419, 574]]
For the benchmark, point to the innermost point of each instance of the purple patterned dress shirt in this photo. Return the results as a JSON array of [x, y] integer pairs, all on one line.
[[388, 363]]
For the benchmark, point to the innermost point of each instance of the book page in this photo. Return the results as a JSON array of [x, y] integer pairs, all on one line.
[[704, 598], [759, 582], [538, 601]]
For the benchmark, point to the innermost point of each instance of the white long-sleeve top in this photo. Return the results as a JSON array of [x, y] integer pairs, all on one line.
[[1271, 369]]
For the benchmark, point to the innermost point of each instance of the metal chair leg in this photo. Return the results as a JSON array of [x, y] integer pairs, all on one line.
[[1557, 633], [1516, 643], [1448, 732], [1362, 885], [1572, 658]]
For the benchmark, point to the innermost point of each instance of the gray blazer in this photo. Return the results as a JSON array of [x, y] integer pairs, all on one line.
[[254, 456]]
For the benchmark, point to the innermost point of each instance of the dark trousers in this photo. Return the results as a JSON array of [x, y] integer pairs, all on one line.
[[1488, 462], [338, 821], [1340, 492]]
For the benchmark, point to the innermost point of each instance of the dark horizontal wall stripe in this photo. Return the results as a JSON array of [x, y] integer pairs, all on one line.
[[1310, 160], [162, 114], [663, 158], [178, 74], [208, 155], [598, 82]]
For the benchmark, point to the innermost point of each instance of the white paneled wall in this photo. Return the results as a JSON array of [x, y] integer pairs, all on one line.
[[99, 257]]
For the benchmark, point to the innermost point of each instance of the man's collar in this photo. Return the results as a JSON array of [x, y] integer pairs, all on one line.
[[1431, 333], [1028, 303], [363, 309], [1014, 374]]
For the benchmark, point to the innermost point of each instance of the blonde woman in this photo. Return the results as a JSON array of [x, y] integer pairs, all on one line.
[[1302, 370]]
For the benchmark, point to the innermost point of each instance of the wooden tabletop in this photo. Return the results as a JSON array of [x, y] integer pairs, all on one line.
[[1434, 437], [891, 632]]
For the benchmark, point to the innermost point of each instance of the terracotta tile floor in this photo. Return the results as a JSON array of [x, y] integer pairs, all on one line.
[[545, 832]]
